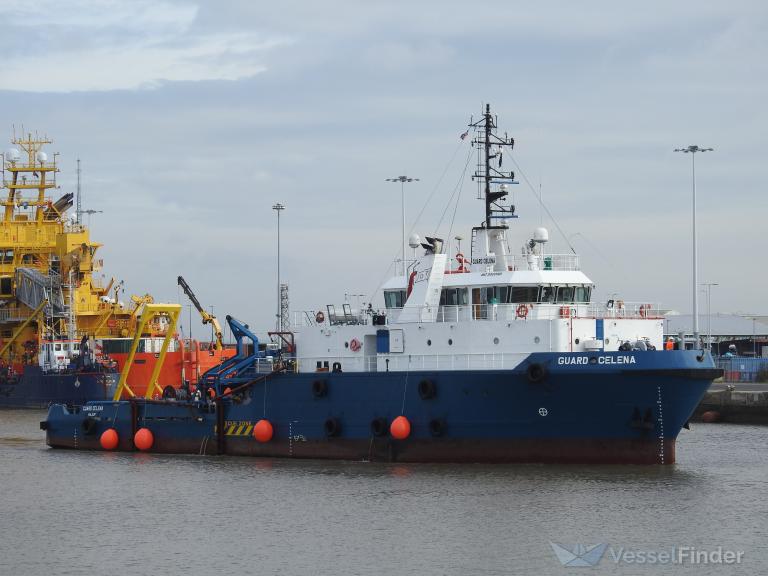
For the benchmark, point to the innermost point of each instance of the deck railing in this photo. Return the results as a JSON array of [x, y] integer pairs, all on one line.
[[494, 312]]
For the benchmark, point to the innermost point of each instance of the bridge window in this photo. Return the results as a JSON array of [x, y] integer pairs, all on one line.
[[6, 256], [394, 298], [454, 297], [582, 293], [547, 294], [524, 294], [565, 294]]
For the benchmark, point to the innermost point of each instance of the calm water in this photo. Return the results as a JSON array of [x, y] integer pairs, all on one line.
[[95, 513]]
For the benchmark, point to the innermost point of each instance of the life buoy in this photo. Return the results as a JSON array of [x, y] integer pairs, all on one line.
[[411, 280], [355, 345], [320, 317], [522, 311], [644, 310], [565, 311]]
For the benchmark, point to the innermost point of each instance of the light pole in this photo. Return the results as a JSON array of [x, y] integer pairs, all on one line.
[[278, 208], [403, 180], [692, 151], [708, 286]]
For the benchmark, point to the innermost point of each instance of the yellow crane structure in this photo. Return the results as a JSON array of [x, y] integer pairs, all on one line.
[[207, 317]]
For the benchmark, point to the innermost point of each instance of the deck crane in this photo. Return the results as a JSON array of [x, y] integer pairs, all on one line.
[[207, 317]]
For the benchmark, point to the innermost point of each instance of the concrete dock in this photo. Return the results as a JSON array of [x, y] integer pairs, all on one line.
[[734, 402]]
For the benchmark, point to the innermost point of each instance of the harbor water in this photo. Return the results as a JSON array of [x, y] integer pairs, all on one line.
[[65, 512]]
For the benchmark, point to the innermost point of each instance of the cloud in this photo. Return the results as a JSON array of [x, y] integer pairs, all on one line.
[[104, 45]]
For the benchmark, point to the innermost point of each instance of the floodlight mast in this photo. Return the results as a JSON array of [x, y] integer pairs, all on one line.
[[402, 180], [692, 150]]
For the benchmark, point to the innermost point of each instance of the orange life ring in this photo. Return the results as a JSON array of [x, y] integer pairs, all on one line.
[[320, 317], [565, 311], [644, 310], [355, 345], [522, 311]]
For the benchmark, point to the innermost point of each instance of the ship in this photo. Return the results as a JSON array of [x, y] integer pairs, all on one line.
[[64, 331], [498, 357]]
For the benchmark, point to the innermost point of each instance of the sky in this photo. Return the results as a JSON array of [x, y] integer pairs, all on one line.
[[192, 119]]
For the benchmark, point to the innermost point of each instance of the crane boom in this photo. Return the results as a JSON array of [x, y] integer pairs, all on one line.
[[207, 317]]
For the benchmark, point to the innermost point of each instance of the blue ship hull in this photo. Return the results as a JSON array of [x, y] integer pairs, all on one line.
[[36, 388], [612, 407]]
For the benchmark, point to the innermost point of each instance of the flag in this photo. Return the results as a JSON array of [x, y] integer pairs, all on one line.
[[464, 135]]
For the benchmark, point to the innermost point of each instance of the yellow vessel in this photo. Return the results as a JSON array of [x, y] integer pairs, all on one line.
[[54, 311]]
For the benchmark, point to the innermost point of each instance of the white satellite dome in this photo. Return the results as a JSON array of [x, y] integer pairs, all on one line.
[[414, 241], [13, 154], [41, 156], [541, 235]]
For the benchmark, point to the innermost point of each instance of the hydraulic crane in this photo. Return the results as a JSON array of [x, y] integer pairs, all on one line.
[[207, 317]]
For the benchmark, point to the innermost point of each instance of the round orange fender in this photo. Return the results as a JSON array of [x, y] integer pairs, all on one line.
[[400, 428], [109, 439], [263, 431], [143, 439]]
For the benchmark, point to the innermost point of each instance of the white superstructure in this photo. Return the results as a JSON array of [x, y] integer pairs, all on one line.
[[488, 311]]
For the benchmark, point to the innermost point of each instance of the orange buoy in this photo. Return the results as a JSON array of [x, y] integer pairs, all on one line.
[[227, 391], [400, 428], [211, 392], [263, 431], [710, 416], [143, 439], [109, 439]]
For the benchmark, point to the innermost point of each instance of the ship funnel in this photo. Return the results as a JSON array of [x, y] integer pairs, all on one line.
[[433, 245]]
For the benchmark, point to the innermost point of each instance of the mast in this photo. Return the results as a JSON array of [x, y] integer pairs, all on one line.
[[492, 176], [79, 207]]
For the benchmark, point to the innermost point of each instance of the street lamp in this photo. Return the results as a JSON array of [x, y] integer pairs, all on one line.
[[278, 208], [403, 180], [692, 150], [708, 286]]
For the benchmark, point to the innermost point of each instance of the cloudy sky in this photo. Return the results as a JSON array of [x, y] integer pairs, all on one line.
[[193, 118]]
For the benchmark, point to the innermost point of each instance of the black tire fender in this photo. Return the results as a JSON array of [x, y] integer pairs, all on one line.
[[536, 373]]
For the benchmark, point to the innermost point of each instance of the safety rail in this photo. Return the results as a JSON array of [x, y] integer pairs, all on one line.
[[420, 362], [497, 312], [14, 314], [557, 262]]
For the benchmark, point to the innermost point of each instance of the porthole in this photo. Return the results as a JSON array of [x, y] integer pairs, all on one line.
[[496, 340], [450, 342], [607, 341], [576, 341], [429, 342], [536, 340], [346, 344]]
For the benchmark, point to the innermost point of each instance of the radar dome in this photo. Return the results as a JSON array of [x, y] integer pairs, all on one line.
[[540, 235], [41, 156], [13, 154], [414, 241]]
